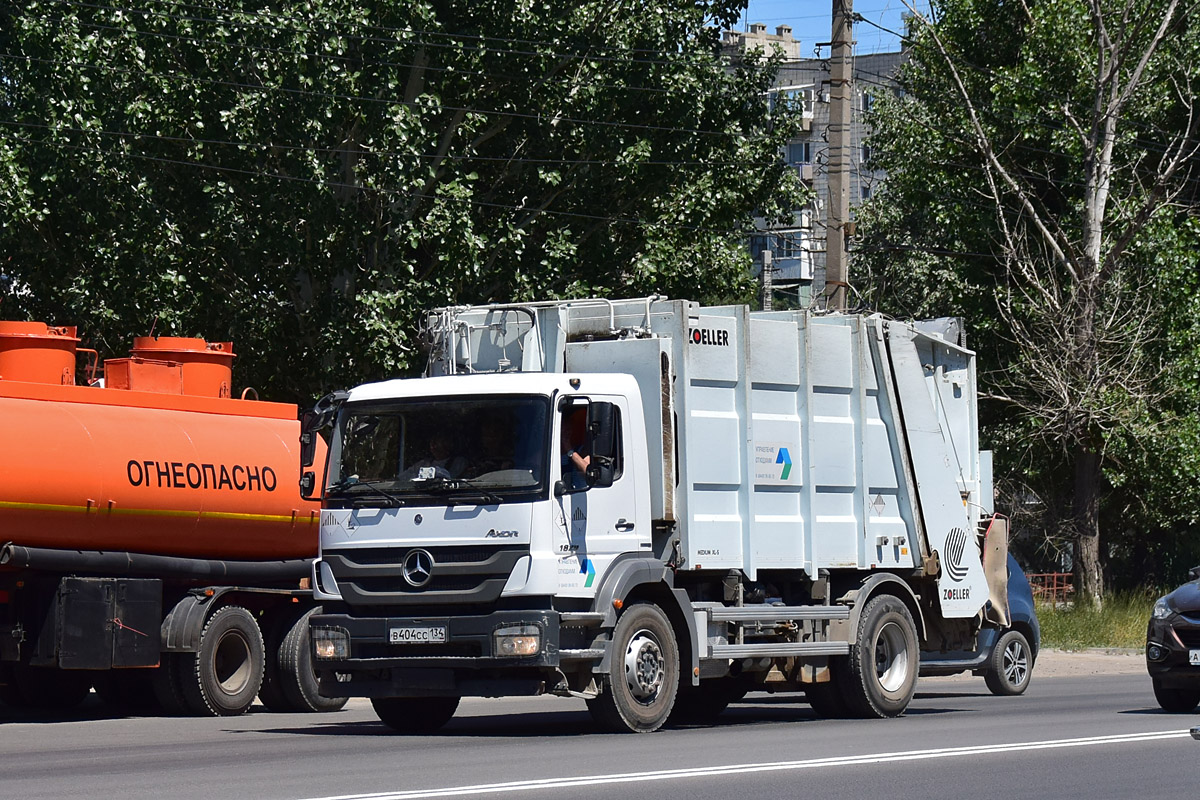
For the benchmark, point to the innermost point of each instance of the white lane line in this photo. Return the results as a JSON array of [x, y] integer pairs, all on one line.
[[776, 766]]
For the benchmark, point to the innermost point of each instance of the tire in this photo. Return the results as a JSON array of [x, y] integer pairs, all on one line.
[[222, 678], [167, 685], [1010, 668], [289, 681], [881, 674], [129, 690], [704, 703], [415, 715], [1176, 701], [827, 699], [639, 693], [46, 688]]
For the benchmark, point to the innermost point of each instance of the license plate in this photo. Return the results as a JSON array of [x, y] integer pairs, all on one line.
[[1194, 657], [420, 634]]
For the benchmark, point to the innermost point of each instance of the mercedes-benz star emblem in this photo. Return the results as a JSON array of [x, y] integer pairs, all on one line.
[[418, 568]]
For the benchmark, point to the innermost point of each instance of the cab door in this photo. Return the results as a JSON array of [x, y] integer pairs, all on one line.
[[595, 524]]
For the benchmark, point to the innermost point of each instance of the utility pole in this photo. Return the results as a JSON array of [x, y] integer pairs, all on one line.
[[841, 92], [767, 279]]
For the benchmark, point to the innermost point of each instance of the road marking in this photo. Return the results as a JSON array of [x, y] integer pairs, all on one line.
[[776, 766]]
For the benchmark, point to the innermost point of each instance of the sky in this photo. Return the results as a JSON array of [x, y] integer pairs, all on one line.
[[810, 21]]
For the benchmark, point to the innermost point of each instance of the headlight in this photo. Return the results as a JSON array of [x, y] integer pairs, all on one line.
[[331, 643], [517, 640], [1161, 609]]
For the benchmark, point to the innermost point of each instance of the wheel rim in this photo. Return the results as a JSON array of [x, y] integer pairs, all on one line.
[[1016, 663], [231, 663], [891, 657], [645, 667]]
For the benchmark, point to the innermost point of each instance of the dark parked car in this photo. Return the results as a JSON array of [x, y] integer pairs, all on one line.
[[1003, 656], [1173, 647]]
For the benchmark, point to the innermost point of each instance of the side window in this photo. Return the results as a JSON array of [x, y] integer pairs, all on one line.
[[576, 443]]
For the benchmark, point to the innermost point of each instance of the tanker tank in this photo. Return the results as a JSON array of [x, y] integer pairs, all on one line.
[[160, 460]]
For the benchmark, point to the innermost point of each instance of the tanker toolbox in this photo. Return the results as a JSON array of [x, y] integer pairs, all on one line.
[[100, 623]]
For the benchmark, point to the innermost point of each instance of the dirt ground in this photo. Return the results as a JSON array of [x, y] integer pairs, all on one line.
[[1051, 663]]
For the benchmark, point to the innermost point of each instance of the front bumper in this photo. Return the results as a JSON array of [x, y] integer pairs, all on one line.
[[466, 664], [1173, 640]]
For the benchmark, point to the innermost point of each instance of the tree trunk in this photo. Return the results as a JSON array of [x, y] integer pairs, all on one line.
[[1089, 581]]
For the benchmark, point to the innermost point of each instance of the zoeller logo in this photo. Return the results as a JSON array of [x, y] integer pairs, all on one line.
[[418, 568], [956, 546], [709, 336]]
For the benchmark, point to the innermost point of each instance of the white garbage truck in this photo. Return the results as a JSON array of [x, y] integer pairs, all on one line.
[[658, 507]]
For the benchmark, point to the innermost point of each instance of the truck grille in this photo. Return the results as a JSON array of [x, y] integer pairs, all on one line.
[[469, 574]]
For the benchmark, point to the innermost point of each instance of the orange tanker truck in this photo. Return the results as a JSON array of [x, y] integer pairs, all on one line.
[[153, 541]]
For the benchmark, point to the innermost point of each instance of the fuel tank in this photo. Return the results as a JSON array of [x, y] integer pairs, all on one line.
[[161, 460]]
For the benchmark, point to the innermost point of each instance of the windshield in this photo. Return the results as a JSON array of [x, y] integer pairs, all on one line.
[[440, 451]]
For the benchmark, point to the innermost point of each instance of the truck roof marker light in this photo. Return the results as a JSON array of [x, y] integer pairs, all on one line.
[[618, 604], [574, 383], [209, 592]]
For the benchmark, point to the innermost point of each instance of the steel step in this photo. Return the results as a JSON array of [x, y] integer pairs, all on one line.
[[782, 649], [774, 613]]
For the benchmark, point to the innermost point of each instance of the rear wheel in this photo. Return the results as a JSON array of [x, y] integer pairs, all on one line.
[[1011, 665], [827, 699], [222, 678], [639, 692], [415, 714], [881, 674], [1176, 700]]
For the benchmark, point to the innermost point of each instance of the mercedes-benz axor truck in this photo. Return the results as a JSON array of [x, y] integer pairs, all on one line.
[[655, 506]]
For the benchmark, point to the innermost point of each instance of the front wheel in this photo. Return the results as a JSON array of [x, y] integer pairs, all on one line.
[[1177, 701], [639, 692], [881, 674], [1011, 666], [415, 714]]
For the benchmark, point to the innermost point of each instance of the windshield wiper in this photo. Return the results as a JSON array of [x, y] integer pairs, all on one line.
[[342, 488], [447, 485]]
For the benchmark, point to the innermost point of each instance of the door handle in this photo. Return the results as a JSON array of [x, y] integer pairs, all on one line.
[[623, 525]]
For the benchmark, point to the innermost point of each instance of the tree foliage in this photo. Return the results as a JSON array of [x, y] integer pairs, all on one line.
[[306, 177], [1040, 183]]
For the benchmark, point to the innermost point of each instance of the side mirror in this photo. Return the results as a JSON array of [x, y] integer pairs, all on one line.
[[308, 440], [317, 418], [602, 439], [308, 485], [1194, 574]]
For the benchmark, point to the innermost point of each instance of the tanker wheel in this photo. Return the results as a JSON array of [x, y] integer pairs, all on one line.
[[881, 674], [166, 682], [639, 692], [128, 689], [704, 703], [289, 681], [222, 678], [46, 688]]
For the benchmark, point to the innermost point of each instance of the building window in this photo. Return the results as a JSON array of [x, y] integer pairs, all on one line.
[[800, 153], [866, 153], [865, 192], [867, 101]]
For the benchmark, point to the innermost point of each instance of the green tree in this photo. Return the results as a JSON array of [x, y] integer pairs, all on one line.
[[1039, 159], [306, 177]]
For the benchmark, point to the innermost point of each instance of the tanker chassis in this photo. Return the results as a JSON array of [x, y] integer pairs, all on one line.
[[658, 507], [153, 542]]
